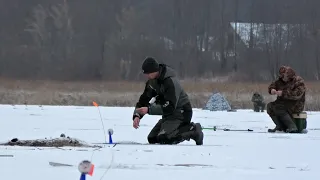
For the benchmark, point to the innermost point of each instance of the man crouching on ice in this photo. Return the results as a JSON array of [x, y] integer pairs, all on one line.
[[290, 90], [163, 95]]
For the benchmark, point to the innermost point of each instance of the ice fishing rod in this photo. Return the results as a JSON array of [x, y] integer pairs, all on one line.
[[214, 128], [104, 131]]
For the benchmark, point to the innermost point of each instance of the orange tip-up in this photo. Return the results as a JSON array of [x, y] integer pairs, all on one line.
[[91, 170], [95, 104]]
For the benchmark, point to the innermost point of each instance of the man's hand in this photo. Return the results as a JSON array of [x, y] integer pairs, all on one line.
[[136, 122], [273, 91], [279, 93], [142, 110]]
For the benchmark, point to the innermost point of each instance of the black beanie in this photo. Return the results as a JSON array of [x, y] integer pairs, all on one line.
[[150, 65]]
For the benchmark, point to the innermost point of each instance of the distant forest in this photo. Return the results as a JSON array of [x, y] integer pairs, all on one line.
[[108, 39]]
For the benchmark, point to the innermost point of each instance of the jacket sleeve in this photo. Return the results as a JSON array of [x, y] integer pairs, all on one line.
[[172, 90], [296, 92], [155, 109], [273, 85], [143, 101]]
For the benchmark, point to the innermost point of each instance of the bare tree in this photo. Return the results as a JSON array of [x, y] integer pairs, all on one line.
[[91, 40], [52, 33]]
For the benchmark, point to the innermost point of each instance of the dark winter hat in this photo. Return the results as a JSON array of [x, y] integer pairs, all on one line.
[[150, 65]]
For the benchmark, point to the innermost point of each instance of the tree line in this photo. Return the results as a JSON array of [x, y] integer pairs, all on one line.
[[108, 39]]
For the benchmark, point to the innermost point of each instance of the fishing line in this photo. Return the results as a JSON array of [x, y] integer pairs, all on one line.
[[105, 136]]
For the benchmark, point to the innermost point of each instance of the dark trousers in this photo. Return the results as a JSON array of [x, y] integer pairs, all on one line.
[[258, 106], [171, 130], [280, 115], [277, 109]]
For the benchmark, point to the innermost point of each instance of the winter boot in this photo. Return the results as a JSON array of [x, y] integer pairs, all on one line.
[[290, 125], [193, 131], [198, 134], [277, 122]]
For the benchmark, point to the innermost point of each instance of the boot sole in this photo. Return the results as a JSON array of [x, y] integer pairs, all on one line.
[[293, 131], [273, 131], [200, 137]]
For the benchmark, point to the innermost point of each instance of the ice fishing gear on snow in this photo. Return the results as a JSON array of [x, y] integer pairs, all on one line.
[[214, 128]]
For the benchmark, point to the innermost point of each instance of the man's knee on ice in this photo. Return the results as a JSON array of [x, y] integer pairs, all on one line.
[[166, 138], [163, 139], [152, 140]]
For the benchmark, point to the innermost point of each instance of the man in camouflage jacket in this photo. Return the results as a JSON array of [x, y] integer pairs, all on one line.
[[258, 102], [290, 90], [163, 95]]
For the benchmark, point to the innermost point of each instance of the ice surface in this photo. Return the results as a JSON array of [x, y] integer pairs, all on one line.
[[226, 155]]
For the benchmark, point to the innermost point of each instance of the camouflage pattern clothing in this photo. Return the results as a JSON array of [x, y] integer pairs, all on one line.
[[292, 99], [258, 102]]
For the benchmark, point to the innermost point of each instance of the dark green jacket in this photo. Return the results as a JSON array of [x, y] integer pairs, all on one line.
[[170, 96]]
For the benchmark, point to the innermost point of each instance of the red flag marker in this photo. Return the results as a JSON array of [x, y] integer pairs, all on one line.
[[95, 104]]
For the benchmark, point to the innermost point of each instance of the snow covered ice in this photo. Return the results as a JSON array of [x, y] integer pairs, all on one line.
[[225, 155]]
